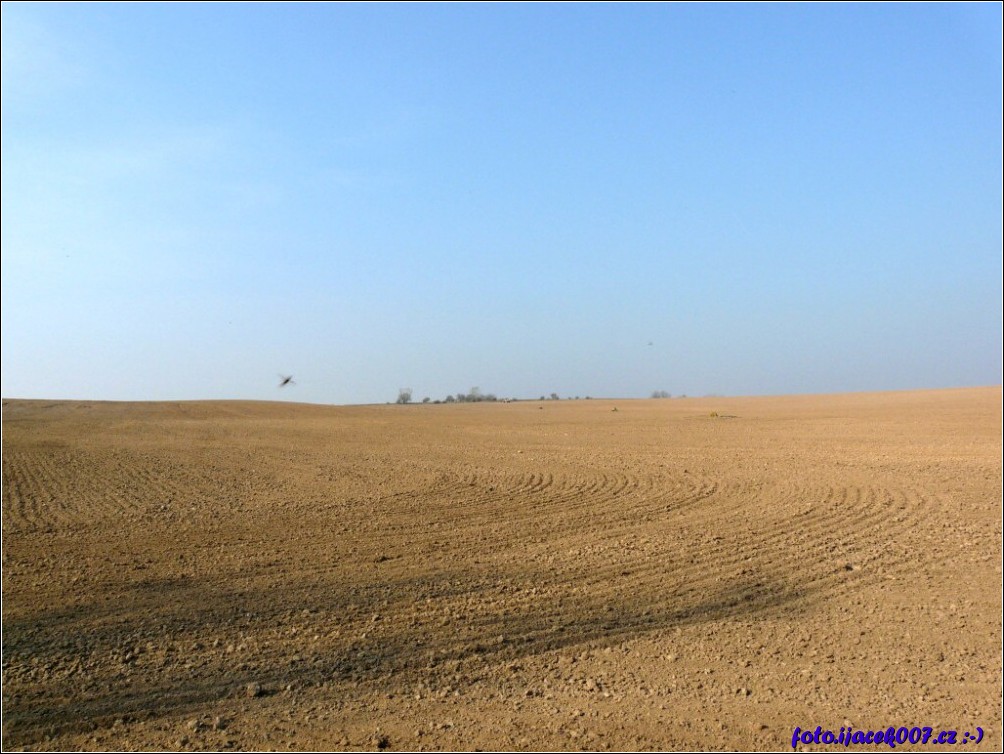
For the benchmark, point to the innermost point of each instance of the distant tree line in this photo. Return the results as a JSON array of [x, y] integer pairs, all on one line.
[[474, 395]]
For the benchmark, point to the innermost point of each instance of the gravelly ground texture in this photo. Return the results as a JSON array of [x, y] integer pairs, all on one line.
[[672, 574]]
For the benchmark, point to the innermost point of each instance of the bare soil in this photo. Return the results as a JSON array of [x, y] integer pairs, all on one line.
[[672, 574]]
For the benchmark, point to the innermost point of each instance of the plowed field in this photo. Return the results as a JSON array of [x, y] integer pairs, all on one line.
[[666, 574]]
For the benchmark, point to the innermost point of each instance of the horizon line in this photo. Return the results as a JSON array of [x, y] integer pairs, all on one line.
[[682, 396]]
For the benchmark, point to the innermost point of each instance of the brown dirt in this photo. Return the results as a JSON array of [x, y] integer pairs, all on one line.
[[552, 575]]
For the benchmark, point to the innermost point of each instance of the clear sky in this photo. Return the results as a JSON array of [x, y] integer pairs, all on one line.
[[600, 200]]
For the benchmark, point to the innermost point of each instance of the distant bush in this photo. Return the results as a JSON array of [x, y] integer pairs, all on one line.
[[476, 396], [404, 395], [660, 394]]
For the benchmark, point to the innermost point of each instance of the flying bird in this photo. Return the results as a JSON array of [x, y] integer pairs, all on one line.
[[286, 380]]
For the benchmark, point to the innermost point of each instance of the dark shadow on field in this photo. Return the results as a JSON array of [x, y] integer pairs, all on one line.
[[194, 615]]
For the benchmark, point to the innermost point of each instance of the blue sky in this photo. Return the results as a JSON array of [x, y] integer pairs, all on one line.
[[597, 200]]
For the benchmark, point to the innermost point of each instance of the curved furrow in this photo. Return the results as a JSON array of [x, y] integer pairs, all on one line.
[[20, 506], [73, 489], [817, 546], [611, 497], [38, 503]]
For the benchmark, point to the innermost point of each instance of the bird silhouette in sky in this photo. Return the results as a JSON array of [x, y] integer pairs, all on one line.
[[286, 380]]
